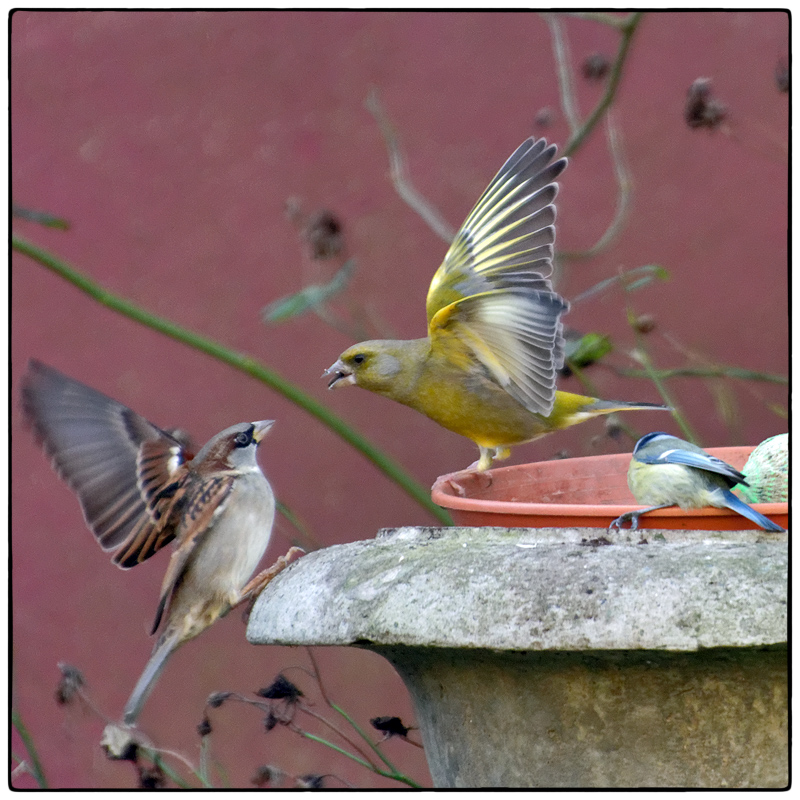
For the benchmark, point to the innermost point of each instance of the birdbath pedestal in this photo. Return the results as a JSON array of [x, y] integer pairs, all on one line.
[[543, 657]]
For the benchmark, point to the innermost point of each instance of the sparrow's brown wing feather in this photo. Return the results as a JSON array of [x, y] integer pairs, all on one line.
[[161, 482], [157, 527], [94, 443], [201, 501]]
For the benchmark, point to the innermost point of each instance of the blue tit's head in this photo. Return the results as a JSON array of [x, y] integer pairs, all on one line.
[[649, 439]]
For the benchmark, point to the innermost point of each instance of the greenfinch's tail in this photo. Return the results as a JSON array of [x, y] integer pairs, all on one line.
[[570, 409], [608, 406]]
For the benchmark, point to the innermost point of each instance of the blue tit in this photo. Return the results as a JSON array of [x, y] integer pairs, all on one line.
[[666, 471]]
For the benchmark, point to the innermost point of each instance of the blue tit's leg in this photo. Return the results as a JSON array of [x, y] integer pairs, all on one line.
[[633, 517]]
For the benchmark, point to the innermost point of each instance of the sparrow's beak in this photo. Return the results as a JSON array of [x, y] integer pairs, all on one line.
[[261, 429], [342, 376]]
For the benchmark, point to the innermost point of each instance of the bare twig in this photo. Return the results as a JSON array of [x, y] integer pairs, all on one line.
[[566, 83], [398, 172], [624, 194], [711, 371], [643, 357], [627, 27]]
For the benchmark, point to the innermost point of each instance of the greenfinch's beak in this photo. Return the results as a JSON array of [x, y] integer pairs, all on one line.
[[342, 375], [261, 428]]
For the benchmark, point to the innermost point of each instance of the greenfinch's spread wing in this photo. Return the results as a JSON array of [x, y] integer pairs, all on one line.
[[493, 290]]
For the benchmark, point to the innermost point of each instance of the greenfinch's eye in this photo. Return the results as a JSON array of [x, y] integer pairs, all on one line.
[[359, 358]]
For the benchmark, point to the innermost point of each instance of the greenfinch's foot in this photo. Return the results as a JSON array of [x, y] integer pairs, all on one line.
[[482, 478], [488, 455], [458, 489]]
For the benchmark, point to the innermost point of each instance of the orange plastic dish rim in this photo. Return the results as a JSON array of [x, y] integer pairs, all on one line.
[[526, 509]]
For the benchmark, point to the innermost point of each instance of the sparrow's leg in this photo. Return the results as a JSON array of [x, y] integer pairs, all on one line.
[[257, 584], [633, 517]]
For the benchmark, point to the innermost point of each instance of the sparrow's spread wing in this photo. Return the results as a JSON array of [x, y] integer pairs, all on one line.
[[493, 291], [105, 452], [200, 500]]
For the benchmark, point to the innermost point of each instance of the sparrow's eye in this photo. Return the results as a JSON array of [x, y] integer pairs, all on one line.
[[359, 358], [244, 439]]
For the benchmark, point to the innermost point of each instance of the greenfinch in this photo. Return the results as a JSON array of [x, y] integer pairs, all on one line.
[[487, 369]]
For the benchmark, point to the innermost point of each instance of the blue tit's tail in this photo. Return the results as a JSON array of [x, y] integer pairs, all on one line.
[[164, 648], [740, 507]]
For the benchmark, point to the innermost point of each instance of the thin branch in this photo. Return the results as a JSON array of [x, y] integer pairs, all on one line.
[[400, 180], [155, 755], [627, 28], [602, 17], [35, 767], [240, 361], [737, 373], [624, 194], [318, 675], [305, 709], [393, 775], [643, 357], [565, 75]]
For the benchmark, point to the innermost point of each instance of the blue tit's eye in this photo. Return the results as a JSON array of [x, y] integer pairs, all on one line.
[[244, 438], [359, 358]]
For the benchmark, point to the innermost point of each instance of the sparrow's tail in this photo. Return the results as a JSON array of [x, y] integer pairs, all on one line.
[[740, 507], [166, 645]]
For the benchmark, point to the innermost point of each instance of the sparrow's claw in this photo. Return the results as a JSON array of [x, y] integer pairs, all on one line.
[[257, 584]]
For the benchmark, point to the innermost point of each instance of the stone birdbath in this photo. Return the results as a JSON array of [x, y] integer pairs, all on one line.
[[564, 657]]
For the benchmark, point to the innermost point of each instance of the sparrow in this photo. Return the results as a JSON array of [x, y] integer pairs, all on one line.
[[667, 471], [487, 368], [140, 489]]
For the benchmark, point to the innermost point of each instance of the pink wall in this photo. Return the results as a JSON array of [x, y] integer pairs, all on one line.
[[171, 141]]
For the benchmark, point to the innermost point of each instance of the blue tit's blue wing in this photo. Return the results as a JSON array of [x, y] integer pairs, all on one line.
[[698, 460], [740, 507]]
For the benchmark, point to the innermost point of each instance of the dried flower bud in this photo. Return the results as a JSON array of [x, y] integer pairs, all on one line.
[[216, 699], [324, 233], [266, 775], [71, 682], [783, 78], [595, 67], [270, 721], [644, 323], [703, 110], [151, 777], [309, 782], [391, 726], [280, 689]]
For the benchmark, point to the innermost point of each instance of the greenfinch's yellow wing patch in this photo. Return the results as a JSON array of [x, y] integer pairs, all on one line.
[[516, 335], [493, 291]]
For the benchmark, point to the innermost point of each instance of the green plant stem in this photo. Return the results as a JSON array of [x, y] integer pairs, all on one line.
[[357, 728], [393, 775], [707, 372], [239, 361], [644, 358], [332, 727], [35, 765], [627, 28]]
